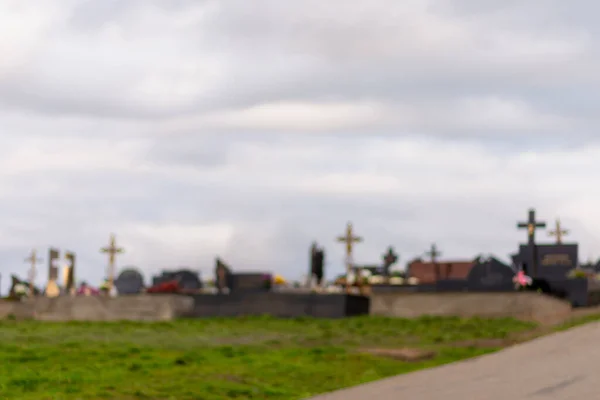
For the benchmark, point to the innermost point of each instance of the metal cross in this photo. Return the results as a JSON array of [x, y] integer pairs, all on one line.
[[433, 253], [112, 250], [32, 260], [349, 239], [558, 232], [531, 226]]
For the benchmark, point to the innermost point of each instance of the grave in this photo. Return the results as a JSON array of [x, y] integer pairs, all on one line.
[[223, 276], [250, 281], [186, 279], [490, 275], [129, 281]]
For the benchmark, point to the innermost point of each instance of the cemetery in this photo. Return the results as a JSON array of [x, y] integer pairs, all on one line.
[[552, 269]]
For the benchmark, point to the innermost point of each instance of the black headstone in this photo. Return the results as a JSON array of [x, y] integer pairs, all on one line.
[[188, 279], [490, 274], [223, 276], [129, 281], [250, 281], [317, 262], [554, 261]]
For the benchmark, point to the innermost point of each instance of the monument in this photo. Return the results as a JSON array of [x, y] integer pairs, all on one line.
[[317, 262], [528, 259], [550, 262], [490, 274], [32, 260], [52, 289], [349, 239], [223, 276], [69, 284], [129, 281], [389, 258], [187, 279], [112, 250]]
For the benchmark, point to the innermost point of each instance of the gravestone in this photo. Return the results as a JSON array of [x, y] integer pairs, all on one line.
[[129, 281], [223, 276], [490, 274], [187, 279], [553, 261], [250, 282], [316, 263]]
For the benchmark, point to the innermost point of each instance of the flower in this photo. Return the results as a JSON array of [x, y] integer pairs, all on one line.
[[522, 280]]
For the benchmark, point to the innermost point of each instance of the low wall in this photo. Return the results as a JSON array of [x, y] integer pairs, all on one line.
[[285, 305], [97, 308], [528, 306]]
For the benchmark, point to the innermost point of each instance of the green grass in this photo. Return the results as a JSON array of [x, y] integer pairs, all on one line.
[[243, 358]]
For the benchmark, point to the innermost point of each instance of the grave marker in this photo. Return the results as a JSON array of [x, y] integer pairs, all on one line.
[[32, 260], [112, 250], [129, 281], [349, 239]]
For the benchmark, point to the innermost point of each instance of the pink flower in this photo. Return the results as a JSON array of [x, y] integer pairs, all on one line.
[[521, 279]]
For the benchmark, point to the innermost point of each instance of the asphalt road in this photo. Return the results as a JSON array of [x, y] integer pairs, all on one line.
[[564, 365]]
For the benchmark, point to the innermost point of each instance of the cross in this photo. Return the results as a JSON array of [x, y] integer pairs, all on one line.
[[32, 260], [433, 253], [558, 232], [389, 259], [349, 239], [112, 251], [531, 226]]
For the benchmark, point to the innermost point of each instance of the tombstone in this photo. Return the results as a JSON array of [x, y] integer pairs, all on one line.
[[490, 274], [129, 281], [553, 261], [250, 282], [317, 263], [223, 276], [187, 279], [20, 288]]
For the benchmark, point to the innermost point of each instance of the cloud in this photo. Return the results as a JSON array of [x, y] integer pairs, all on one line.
[[193, 129]]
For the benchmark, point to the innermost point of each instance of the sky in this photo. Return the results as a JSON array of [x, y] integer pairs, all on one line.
[[245, 130]]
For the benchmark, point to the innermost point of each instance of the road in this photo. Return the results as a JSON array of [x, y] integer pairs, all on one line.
[[559, 366]]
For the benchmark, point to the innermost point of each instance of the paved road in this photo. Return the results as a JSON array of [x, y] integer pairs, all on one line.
[[564, 365]]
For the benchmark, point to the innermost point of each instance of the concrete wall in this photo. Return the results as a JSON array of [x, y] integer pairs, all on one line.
[[95, 308], [528, 306]]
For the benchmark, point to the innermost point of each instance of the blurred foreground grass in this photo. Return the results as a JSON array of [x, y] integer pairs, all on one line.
[[229, 358]]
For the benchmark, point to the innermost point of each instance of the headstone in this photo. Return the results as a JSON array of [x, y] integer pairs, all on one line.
[[129, 281], [317, 263], [250, 281], [223, 276], [187, 279], [553, 261], [490, 274], [52, 289]]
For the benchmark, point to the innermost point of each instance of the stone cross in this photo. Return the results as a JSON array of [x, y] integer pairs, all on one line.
[[112, 250], [33, 261]]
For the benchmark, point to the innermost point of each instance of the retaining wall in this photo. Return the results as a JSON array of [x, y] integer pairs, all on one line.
[[97, 308], [528, 306]]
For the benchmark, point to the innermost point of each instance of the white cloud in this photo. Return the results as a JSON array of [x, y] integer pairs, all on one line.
[[197, 129]]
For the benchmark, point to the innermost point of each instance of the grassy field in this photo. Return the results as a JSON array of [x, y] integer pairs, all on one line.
[[245, 358]]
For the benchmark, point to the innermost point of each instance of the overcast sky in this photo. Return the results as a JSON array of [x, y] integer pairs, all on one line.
[[247, 129]]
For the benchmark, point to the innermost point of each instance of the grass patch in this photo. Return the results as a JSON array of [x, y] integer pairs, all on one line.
[[233, 358]]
